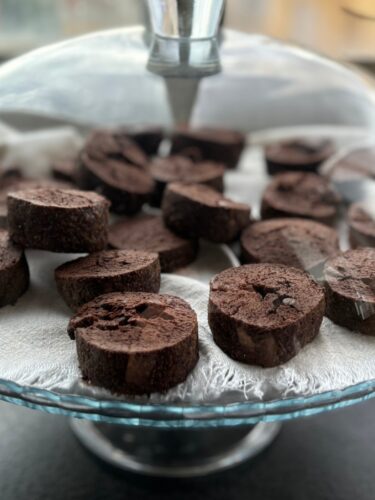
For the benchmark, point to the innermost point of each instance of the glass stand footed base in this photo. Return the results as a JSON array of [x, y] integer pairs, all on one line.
[[173, 452]]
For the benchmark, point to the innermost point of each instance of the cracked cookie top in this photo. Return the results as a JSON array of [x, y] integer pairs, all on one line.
[[352, 275], [267, 296], [134, 322]]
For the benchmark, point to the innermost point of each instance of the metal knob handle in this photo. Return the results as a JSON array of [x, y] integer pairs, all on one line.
[[186, 19]]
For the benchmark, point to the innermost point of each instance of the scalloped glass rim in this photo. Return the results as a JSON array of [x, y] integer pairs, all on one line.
[[197, 416]]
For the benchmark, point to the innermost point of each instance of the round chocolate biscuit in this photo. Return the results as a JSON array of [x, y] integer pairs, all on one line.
[[127, 186], [136, 343], [263, 314], [220, 145], [181, 169], [59, 220], [297, 194], [198, 211], [14, 271], [12, 184], [361, 221], [300, 243], [350, 290], [116, 145], [304, 155], [148, 233], [83, 279]]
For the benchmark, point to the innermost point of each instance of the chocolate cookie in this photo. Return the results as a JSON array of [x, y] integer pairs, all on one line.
[[304, 155], [295, 194], [127, 187], [148, 233], [116, 145], [198, 211], [13, 184], [300, 243], [81, 280], [148, 139], [136, 343], [350, 287], [263, 314], [14, 271], [59, 220], [180, 169], [361, 221], [219, 145]]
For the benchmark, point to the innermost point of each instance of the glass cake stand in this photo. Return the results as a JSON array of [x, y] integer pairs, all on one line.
[[185, 72], [178, 440]]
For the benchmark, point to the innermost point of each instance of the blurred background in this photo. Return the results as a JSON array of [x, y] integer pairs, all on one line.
[[346, 28]]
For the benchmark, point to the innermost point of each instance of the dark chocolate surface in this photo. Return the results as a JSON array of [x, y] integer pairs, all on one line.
[[181, 169], [115, 166], [221, 145], [301, 243], [12, 184], [14, 271], [135, 343], [263, 314], [83, 279], [198, 211], [127, 186], [116, 145], [350, 287], [297, 155], [149, 233], [298, 194], [59, 220]]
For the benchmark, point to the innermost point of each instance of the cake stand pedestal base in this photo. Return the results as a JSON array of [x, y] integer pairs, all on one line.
[[173, 452]]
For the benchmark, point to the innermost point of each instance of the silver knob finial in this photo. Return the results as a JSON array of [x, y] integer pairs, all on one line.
[[192, 19]]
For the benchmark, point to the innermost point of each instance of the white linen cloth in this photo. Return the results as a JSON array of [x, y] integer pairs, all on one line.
[[36, 351]]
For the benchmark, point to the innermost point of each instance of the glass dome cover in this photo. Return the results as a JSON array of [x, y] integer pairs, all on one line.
[[188, 71], [185, 72]]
